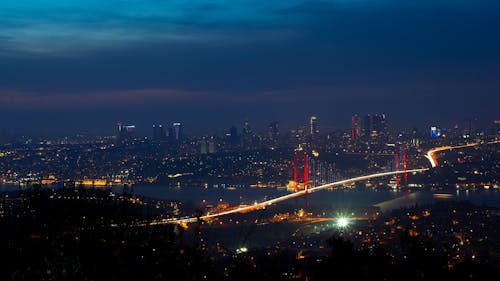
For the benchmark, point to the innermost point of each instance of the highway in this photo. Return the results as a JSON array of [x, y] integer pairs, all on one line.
[[431, 153]]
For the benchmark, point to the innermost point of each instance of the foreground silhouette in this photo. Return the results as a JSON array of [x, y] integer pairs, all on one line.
[[47, 237]]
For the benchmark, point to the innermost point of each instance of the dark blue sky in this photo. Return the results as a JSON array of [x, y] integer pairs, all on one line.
[[82, 65]]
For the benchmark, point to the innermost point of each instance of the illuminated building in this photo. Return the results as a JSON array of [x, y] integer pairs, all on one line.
[[211, 146], [273, 132], [434, 132], [175, 132], [375, 126], [355, 127], [203, 147], [415, 139], [207, 145], [124, 131], [313, 126], [247, 135], [158, 132]]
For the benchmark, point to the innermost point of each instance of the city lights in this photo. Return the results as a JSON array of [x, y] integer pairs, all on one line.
[[241, 250], [262, 140], [342, 222]]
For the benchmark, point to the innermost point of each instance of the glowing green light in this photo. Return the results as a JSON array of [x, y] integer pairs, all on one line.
[[342, 222]]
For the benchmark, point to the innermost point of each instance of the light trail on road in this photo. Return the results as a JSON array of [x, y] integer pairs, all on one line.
[[266, 203], [430, 154]]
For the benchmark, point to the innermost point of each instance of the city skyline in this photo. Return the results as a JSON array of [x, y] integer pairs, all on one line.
[[87, 64], [249, 140], [158, 130]]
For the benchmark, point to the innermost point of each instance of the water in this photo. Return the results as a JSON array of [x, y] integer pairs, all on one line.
[[386, 199], [210, 195]]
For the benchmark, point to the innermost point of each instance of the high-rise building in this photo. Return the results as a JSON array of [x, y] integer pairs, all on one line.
[[415, 138], [124, 131], [313, 126], [355, 127], [158, 132], [273, 131], [203, 147], [207, 145], [234, 138], [175, 132], [211, 146], [247, 135], [434, 132], [375, 126]]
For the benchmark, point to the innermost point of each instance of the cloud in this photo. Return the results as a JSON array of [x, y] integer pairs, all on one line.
[[77, 53], [112, 99], [73, 27], [62, 27], [10, 100]]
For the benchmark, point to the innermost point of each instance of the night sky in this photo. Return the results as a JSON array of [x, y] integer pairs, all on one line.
[[82, 65]]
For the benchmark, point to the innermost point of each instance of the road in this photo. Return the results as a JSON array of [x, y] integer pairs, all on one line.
[[431, 153], [242, 209], [264, 204]]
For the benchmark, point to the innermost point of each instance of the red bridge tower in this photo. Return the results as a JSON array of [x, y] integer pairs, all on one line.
[[300, 179]]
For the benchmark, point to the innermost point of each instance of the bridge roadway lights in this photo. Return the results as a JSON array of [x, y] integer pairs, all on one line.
[[429, 155]]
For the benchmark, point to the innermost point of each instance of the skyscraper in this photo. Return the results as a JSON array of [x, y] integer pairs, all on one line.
[[158, 132], [203, 147], [177, 131], [375, 126], [273, 131], [211, 146], [313, 126], [234, 138], [355, 127], [207, 145], [247, 135], [434, 132], [124, 131]]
